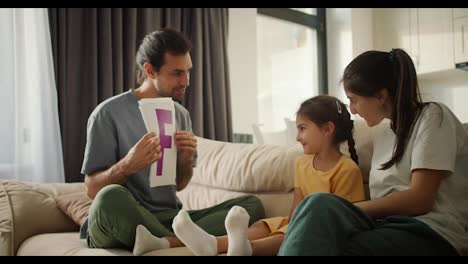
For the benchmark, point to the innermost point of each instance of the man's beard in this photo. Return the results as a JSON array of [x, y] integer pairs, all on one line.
[[178, 99], [173, 96]]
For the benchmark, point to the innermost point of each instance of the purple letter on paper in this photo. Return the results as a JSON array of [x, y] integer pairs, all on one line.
[[164, 117]]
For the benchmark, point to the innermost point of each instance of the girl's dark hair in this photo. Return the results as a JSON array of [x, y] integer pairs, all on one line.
[[322, 109], [373, 71], [155, 45]]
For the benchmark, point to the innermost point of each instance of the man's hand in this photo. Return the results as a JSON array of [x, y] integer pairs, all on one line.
[[186, 144], [145, 152]]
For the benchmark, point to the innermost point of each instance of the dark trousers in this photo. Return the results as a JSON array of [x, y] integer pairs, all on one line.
[[326, 224]]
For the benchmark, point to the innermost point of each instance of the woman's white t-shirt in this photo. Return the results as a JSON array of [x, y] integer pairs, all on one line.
[[439, 142]]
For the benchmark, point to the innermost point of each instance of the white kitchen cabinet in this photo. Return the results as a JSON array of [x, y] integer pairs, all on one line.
[[392, 29], [426, 34], [435, 39], [460, 12], [461, 39]]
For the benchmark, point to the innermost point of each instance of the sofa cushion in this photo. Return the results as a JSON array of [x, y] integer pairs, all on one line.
[[69, 244], [179, 251], [75, 205], [197, 196], [267, 168], [27, 209], [245, 167]]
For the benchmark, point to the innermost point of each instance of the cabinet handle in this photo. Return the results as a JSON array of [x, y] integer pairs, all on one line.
[[463, 39]]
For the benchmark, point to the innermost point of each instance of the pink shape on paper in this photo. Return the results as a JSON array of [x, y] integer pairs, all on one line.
[[164, 117]]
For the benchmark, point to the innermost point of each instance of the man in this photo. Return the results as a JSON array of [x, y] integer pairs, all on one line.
[[119, 153]]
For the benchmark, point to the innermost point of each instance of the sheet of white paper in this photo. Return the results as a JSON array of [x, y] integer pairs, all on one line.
[[159, 117]]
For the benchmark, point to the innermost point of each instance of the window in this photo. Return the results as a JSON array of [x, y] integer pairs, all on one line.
[[310, 11], [291, 62], [29, 132], [7, 93]]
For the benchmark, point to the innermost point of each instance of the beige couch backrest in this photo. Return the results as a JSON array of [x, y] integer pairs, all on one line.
[[226, 170], [264, 168]]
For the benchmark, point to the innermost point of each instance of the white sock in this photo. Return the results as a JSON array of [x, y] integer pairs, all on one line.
[[146, 242], [196, 239], [237, 223]]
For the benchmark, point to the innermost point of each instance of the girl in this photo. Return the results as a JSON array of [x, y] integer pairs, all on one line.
[[417, 181], [323, 122]]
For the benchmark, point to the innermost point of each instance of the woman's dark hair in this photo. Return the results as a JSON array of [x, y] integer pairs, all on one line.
[[373, 71], [322, 109], [155, 45]]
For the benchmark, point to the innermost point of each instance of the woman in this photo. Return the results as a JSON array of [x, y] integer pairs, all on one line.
[[418, 179]]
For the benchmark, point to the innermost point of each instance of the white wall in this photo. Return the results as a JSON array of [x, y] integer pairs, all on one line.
[[349, 33], [242, 52], [362, 28], [339, 48]]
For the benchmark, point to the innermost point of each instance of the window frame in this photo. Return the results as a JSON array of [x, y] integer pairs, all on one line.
[[317, 22]]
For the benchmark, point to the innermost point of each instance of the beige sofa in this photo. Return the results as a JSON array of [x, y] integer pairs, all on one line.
[[32, 224]]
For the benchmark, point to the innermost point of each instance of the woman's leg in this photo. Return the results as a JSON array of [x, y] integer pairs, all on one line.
[[325, 224], [399, 236], [322, 225]]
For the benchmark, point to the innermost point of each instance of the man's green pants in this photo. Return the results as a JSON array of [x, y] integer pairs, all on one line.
[[115, 214]]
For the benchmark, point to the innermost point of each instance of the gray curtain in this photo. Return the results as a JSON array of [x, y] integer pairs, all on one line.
[[209, 99], [94, 58]]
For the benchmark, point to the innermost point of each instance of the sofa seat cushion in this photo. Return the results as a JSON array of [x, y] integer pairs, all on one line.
[[179, 251], [63, 244], [69, 244]]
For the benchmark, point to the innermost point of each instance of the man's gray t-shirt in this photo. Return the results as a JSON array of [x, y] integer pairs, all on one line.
[[114, 127]]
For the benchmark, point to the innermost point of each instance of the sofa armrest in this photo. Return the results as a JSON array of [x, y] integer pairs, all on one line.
[[28, 209]]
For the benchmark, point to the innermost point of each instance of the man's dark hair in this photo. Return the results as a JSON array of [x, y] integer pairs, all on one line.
[[155, 45]]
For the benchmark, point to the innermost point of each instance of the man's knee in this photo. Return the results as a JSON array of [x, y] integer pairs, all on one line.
[[110, 197], [254, 207]]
